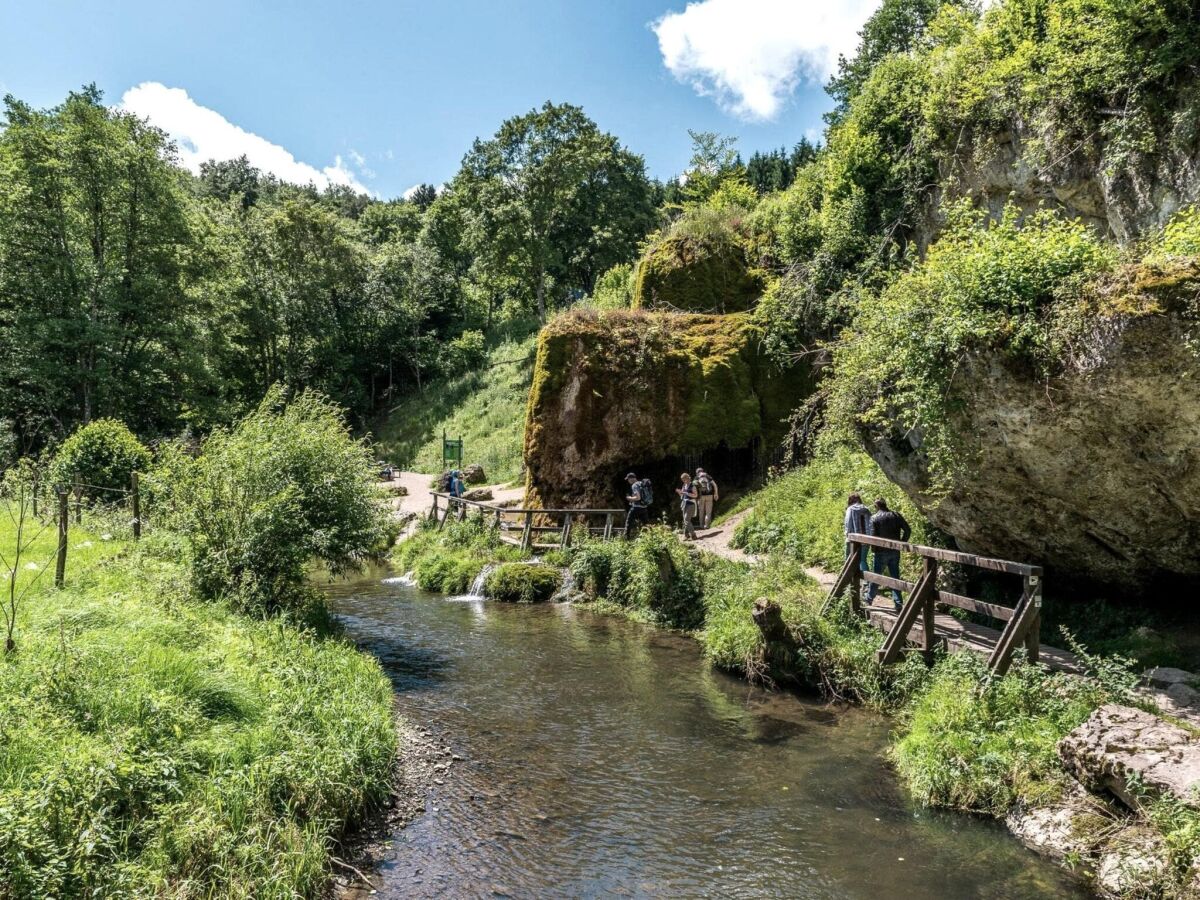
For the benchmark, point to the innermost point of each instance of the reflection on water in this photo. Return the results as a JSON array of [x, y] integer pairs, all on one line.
[[604, 758]]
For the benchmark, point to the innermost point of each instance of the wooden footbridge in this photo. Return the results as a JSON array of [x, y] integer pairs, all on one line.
[[528, 528], [921, 623]]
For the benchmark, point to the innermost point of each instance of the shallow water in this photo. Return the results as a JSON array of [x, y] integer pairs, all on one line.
[[603, 758]]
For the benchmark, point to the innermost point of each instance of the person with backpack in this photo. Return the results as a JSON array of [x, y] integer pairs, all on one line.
[[687, 506], [893, 526], [857, 521], [639, 498], [707, 497]]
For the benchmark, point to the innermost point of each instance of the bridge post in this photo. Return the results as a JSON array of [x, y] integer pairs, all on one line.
[[566, 532], [527, 532], [858, 553], [928, 625], [1033, 637], [608, 525]]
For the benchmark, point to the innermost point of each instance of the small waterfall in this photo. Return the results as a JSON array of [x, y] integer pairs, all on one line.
[[408, 579], [476, 591]]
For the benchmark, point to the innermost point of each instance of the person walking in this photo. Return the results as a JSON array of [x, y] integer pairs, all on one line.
[[687, 506], [891, 525], [638, 503], [857, 521], [707, 495]]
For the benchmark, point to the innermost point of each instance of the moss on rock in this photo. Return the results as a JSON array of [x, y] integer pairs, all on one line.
[[623, 389], [692, 274]]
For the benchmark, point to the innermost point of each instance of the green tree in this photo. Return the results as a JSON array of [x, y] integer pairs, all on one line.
[[714, 159], [551, 202], [96, 315]]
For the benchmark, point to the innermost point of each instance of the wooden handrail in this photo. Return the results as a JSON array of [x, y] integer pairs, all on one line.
[[953, 556], [521, 510], [1022, 621]]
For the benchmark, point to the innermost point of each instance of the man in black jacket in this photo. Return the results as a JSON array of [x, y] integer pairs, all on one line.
[[893, 526]]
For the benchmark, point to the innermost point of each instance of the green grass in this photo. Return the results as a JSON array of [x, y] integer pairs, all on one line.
[[154, 745], [800, 513], [486, 408], [519, 582]]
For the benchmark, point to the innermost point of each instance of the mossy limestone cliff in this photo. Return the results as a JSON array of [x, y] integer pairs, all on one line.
[[627, 390], [1094, 472]]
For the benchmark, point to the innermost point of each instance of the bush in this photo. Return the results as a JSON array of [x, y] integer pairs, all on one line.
[[448, 561], [654, 577], [465, 353], [614, 289], [103, 453], [523, 583], [984, 287], [287, 486]]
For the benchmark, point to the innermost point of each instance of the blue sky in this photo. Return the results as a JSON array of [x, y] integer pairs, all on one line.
[[390, 94]]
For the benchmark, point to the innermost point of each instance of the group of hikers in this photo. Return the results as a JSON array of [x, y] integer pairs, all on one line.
[[697, 498], [883, 523]]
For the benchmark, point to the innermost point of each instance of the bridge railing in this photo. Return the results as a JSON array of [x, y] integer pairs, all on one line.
[[531, 523], [1022, 621]]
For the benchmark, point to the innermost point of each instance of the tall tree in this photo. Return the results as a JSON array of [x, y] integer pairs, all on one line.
[[95, 312], [531, 196]]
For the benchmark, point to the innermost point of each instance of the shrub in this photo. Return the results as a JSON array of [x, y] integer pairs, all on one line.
[[448, 561], [465, 353], [286, 486], [653, 576], [103, 453], [979, 289], [523, 583], [614, 289]]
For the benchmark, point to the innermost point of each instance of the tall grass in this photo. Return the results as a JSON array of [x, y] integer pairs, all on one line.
[[155, 746], [486, 408]]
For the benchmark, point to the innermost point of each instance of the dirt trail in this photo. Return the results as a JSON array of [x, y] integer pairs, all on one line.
[[716, 541], [417, 484]]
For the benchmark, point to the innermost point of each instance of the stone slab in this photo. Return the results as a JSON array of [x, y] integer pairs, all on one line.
[[1119, 747]]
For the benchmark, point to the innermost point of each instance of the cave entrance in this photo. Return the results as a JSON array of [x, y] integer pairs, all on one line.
[[736, 470]]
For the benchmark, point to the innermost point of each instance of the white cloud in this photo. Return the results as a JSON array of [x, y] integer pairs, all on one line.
[[751, 54], [203, 134]]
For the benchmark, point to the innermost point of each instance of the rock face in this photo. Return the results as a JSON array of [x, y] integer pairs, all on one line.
[[1119, 748], [689, 274], [641, 391], [1122, 195], [1094, 474]]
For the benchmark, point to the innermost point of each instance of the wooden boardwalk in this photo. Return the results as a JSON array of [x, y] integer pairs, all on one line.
[[922, 623]]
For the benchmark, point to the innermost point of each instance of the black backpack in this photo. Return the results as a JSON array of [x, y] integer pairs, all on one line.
[[647, 491], [445, 484]]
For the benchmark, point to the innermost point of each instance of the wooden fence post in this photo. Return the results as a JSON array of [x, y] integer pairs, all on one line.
[[60, 565], [857, 555], [135, 502], [527, 532], [608, 523], [1033, 637], [566, 532], [78, 500], [928, 625]]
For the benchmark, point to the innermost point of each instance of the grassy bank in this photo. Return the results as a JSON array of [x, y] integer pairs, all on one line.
[[153, 744], [486, 408]]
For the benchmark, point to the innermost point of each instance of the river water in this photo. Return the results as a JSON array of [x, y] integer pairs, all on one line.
[[604, 758]]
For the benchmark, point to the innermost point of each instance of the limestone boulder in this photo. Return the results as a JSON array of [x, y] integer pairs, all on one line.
[[1094, 473], [479, 495], [1134, 755], [473, 474]]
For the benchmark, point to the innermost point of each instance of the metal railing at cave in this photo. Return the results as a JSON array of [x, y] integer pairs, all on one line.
[[530, 524]]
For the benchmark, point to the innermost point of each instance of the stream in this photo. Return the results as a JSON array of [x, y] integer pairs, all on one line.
[[605, 758]]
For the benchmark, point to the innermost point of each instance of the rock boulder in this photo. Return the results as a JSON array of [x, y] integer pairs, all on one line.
[[1120, 748]]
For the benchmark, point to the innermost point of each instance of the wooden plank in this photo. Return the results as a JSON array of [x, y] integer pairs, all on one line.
[[1004, 613], [954, 556], [858, 554], [928, 626], [608, 526], [566, 533]]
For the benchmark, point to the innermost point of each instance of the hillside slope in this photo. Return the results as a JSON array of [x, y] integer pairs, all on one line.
[[485, 407]]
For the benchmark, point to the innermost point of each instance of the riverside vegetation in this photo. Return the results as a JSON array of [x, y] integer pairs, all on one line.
[[181, 719]]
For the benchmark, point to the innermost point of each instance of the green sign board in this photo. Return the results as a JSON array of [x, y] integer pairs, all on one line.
[[452, 451]]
